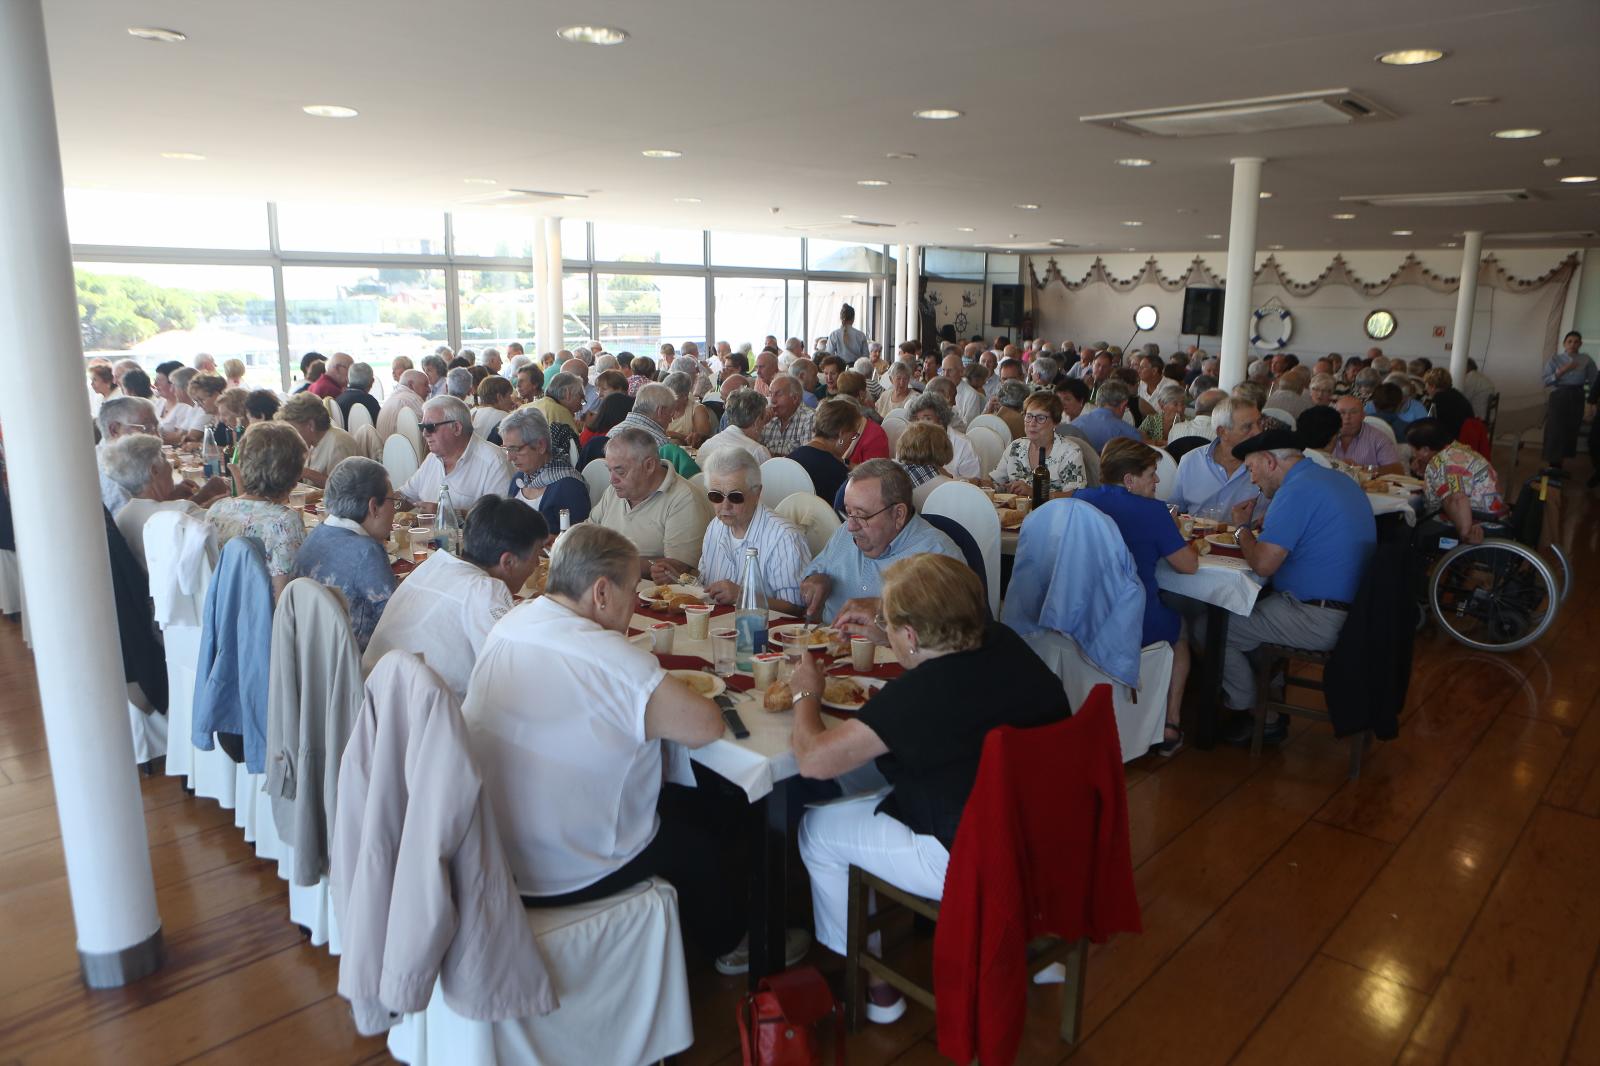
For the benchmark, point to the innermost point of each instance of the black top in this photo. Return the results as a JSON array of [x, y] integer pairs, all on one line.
[[933, 719], [1451, 407], [828, 474], [352, 396]]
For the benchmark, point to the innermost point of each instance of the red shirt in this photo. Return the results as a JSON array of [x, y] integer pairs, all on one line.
[[326, 388], [874, 444]]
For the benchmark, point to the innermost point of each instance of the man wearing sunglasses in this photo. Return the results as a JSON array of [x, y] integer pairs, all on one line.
[[733, 485], [470, 465]]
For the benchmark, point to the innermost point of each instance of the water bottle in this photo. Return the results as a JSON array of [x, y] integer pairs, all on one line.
[[566, 521], [750, 615], [211, 453], [446, 524]]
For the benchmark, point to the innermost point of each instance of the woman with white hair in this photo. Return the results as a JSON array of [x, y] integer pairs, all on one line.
[[899, 393], [327, 445], [733, 485], [746, 412], [346, 552], [136, 463], [692, 423], [1169, 400]]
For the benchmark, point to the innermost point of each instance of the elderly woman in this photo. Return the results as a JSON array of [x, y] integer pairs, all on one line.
[[733, 485], [232, 416], [271, 459], [925, 729], [233, 370], [136, 463], [691, 423], [924, 451], [932, 409], [746, 412], [1169, 401], [643, 372], [204, 391], [1128, 473], [871, 441], [261, 406], [327, 444], [899, 393], [832, 434], [545, 480], [496, 398], [1323, 390], [347, 551], [1007, 403], [1041, 414]]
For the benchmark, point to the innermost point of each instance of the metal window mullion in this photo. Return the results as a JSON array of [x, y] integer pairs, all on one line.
[[280, 312], [711, 286], [452, 308]]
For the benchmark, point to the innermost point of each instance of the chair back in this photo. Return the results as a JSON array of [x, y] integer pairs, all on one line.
[[409, 426], [335, 415], [1183, 446], [989, 445], [367, 439], [399, 458], [994, 423], [1282, 417], [359, 416], [181, 555], [782, 477], [898, 415], [893, 428], [597, 476], [813, 515], [968, 546], [1491, 413], [1379, 424], [1167, 473], [968, 506], [572, 451]]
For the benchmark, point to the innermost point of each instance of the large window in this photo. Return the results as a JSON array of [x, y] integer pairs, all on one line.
[[498, 234], [95, 216], [578, 327], [615, 243], [351, 228], [844, 257], [639, 311], [373, 313], [157, 312], [750, 308], [954, 263], [747, 250], [497, 307], [824, 298]]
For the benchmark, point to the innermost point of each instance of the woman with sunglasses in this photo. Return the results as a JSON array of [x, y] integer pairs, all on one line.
[[733, 485]]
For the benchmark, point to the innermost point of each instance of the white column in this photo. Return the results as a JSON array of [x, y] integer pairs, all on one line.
[[541, 295], [1466, 299], [1238, 304], [553, 305], [913, 292], [61, 537], [901, 254]]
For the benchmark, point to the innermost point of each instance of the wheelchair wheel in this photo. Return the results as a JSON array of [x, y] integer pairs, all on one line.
[[1496, 596], [1562, 568]]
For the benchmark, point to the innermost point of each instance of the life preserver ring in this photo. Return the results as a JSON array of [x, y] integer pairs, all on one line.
[[1271, 327]]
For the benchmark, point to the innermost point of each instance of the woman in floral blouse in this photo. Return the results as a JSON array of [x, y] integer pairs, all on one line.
[[1041, 414], [271, 456]]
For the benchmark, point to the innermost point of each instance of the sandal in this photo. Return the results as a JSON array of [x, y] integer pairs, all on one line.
[[1171, 742]]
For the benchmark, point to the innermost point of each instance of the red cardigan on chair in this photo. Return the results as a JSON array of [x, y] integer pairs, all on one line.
[[1042, 849]]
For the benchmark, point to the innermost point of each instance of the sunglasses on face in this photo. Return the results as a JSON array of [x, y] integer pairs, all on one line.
[[432, 427], [735, 498]]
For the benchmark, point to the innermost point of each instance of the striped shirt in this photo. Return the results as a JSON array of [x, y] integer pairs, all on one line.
[[634, 420], [783, 554]]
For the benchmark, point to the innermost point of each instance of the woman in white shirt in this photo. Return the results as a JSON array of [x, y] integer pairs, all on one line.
[[1061, 456]]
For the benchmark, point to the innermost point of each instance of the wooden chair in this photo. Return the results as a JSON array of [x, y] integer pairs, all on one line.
[[1272, 657]]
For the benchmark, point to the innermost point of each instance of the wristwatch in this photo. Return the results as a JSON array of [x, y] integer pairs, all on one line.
[[1236, 533]]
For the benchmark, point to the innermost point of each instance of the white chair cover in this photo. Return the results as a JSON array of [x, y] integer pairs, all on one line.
[[967, 505], [814, 516], [782, 477], [1287, 419], [898, 415], [994, 423], [149, 731], [359, 416], [1142, 715], [367, 439], [10, 583], [598, 477], [572, 451], [335, 415], [399, 458], [699, 481], [180, 553], [989, 447], [409, 426], [1167, 475], [1378, 424], [893, 428], [617, 966]]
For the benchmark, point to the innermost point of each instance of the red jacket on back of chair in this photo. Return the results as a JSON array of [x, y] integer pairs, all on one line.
[[1042, 849]]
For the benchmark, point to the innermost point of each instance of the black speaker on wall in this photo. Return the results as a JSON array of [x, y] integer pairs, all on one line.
[[1202, 312], [1005, 306]]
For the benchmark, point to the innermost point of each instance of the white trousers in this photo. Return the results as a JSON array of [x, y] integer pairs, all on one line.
[[845, 833]]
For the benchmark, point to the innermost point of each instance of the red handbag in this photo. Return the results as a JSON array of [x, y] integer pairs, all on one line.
[[779, 1021]]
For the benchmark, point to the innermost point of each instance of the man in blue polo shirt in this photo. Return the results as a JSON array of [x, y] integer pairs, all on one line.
[[1211, 482], [1105, 422], [1314, 546]]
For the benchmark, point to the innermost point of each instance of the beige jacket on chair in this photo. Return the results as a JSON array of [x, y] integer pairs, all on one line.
[[421, 887]]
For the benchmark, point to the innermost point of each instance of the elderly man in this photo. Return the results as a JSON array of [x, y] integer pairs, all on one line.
[[1290, 395], [733, 485], [436, 368], [444, 609], [881, 527], [491, 360], [652, 506], [1362, 445], [1203, 424], [932, 409], [347, 551], [544, 480], [766, 371], [399, 365], [805, 372], [1007, 404], [654, 408], [591, 392], [334, 376], [1211, 481], [136, 465], [529, 381], [123, 416], [972, 394], [746, 414], [790, 422], [326, 444], [205, 363], [1463, 490], [409, 393], [358, 390], [1150, 369], [1315, 545], [458, 383], [467, 464], [1106, 422]]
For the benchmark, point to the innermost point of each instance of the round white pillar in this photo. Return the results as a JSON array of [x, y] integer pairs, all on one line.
[[1466, 301], [1238, 302], [61, 539], [555, 310], [542, 332], [914, 292], [902, 252]]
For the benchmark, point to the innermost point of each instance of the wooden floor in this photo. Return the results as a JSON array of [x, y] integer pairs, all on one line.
[[1446, 907]]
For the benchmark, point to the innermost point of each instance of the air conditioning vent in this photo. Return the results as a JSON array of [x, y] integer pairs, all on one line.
[[1264, 114], [1472, 198], [871, 225], [513, 197]]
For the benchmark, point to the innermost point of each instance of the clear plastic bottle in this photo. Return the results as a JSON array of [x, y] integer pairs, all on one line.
[[211, 453], [750, 615], [446, 524], [566, 521]]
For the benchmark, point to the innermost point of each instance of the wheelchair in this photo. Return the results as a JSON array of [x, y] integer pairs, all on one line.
[[1504, 593]]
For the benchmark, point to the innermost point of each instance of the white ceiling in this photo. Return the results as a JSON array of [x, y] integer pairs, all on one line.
[[787, 105]]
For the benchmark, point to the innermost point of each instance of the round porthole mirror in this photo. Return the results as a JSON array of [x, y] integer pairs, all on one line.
[[1380, 324], [1146, 317]]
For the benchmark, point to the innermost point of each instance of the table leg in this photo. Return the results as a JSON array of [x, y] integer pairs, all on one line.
[[1201, 724], [769, 869]]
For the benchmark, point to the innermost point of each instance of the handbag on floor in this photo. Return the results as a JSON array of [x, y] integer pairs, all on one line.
[[779, 1022]]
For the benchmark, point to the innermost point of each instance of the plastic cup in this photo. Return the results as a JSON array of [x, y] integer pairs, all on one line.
[[724, 646], [698, 619], [661, 634], [862, 651], [421, 537], [764, 668]]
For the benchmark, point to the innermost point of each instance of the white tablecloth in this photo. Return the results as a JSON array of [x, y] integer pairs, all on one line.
[[1226, 582]]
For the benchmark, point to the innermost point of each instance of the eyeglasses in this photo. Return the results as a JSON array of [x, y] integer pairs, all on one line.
[[863, 519], [734, 498], [1036, 416], [431, 427]]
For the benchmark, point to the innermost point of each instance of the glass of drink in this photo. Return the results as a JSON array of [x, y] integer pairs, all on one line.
[[661, 634], [421, 538], [724, 643], [698, 619], [862, 652], [764, 668]]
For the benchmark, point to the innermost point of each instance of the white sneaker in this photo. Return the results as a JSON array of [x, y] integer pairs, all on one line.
[[796, 942]]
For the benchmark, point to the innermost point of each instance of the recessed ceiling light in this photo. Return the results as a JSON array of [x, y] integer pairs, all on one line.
[[330, 111], [965, 229], [1265, 195], [1135, 163], [686, 199], [1519, 133], [1131, 222], [1213, 236], [479, 181], [938, 114], [1027, 207], [661, 153], [849, 216], [1342, 216], [1411, 57], [872, 183], [1275, 247], [592, 34], [189, 156], [899, 155], [156, 33], [1474, 101], [1448, 244], [1400, 233], [1130, 249], [1579, 179]]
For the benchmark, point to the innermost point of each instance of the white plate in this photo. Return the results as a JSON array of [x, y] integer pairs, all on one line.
[[646, 588], [781, 636], [718, 686], [873, 683]]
